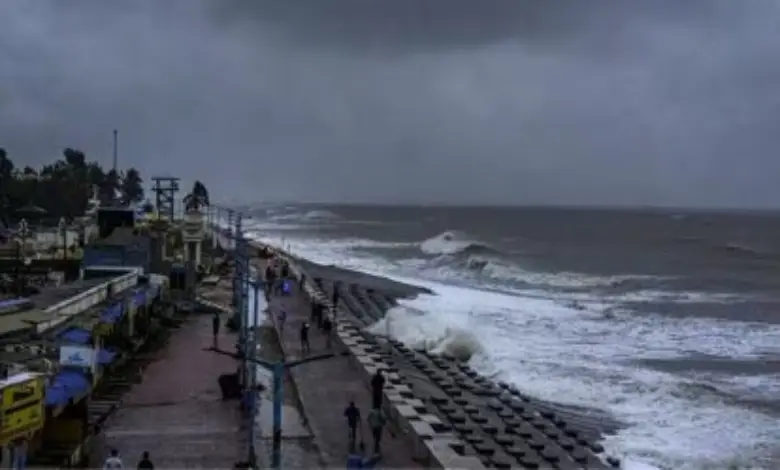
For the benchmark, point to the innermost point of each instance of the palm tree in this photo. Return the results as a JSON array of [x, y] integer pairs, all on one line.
[[197, 198]]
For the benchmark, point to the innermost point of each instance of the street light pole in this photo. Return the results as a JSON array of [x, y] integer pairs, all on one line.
[[278, 369], [62, 225], [23, 232], [253, 412]]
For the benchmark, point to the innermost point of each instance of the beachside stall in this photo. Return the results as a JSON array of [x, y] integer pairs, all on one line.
[[22, 414], [67, 404]]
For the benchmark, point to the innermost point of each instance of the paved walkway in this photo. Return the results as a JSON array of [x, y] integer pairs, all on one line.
[[325, 389], [176, 413]]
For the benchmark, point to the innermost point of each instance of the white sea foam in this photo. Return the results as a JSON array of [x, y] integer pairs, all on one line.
[[418, 329], [579, 356]]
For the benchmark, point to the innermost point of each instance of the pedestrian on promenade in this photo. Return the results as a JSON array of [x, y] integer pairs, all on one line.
[[377, 388], [352, 413], [376, 422], [358, 460], [269, 281], [215, 324], [305, 346], [113, 462], [327, 327], [335, 297], [281, 319], [302, 281], [320, 315], [145, 463], [19, 459]]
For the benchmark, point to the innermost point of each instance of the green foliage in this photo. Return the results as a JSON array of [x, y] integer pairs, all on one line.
[[198, 197], [64, 187]]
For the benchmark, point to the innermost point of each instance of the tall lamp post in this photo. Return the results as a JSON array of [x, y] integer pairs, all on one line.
[[23, 233], [63, 229], [277, 369]]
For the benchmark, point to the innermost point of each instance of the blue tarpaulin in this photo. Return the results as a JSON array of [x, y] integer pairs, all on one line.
[[9, 303], [112, 314], [139, 298], [76, 335], [64, 386], [106, 356]]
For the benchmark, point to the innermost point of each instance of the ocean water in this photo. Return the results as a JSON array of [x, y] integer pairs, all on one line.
[[667, 320]]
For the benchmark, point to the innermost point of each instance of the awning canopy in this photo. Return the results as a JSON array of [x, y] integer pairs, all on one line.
[[76, 335], [106, 356], [112, 314], [66, 385]]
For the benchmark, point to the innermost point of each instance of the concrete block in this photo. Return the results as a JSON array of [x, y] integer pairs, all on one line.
[[440, 454], [416, 403], [422, 429], [407, 412], [394, 398], [431, 419]]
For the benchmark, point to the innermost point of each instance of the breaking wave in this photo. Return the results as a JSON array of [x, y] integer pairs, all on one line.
[[419, 330], [456, 251], [455, 242], [310, 216]]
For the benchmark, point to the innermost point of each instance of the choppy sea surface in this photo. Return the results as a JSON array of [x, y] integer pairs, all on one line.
[[670, 321]]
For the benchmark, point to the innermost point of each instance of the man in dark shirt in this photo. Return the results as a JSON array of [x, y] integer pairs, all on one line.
[[327, 327], [215, 329], [335, 298], [145, 463], [352, 413], [377, 387], [305, 347]]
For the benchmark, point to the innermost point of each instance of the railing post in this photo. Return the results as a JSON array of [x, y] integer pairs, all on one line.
[[276, 457]]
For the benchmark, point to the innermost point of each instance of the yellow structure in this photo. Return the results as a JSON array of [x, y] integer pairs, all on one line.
[[22, 411]]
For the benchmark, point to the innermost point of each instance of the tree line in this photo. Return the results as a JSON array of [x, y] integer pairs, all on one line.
[[64, 187]]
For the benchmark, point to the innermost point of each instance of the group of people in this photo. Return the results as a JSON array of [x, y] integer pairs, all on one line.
[[114, 462], [376, 421], [277, 278]]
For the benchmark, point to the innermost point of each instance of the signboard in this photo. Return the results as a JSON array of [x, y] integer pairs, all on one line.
[[16, 395], [22, 408], [20, 422], [77, 356]]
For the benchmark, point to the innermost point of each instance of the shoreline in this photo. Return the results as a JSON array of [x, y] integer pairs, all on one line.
[[477, 422]]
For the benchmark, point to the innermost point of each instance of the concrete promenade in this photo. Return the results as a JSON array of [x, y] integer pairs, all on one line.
[[326, 387], [176, 412]]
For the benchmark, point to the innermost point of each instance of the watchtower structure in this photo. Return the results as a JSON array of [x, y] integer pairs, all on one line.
[[165, 189]]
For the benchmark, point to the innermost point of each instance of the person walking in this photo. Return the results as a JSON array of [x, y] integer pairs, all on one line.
[[281, 319], [113, 462], [377, 389], [215, 324], [19, 460], [335, 297], [327, 327], [305, 346], [352, 413], [376, 422], [145, 463]]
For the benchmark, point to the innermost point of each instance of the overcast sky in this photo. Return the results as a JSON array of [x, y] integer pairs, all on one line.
[[667, 102]]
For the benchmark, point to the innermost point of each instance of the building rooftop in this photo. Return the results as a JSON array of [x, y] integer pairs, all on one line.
[[20, 322]]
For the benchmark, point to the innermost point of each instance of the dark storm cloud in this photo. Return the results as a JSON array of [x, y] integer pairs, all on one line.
[[607, 102]]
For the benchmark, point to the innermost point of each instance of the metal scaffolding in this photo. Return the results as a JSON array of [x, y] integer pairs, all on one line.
[[165, 189]]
